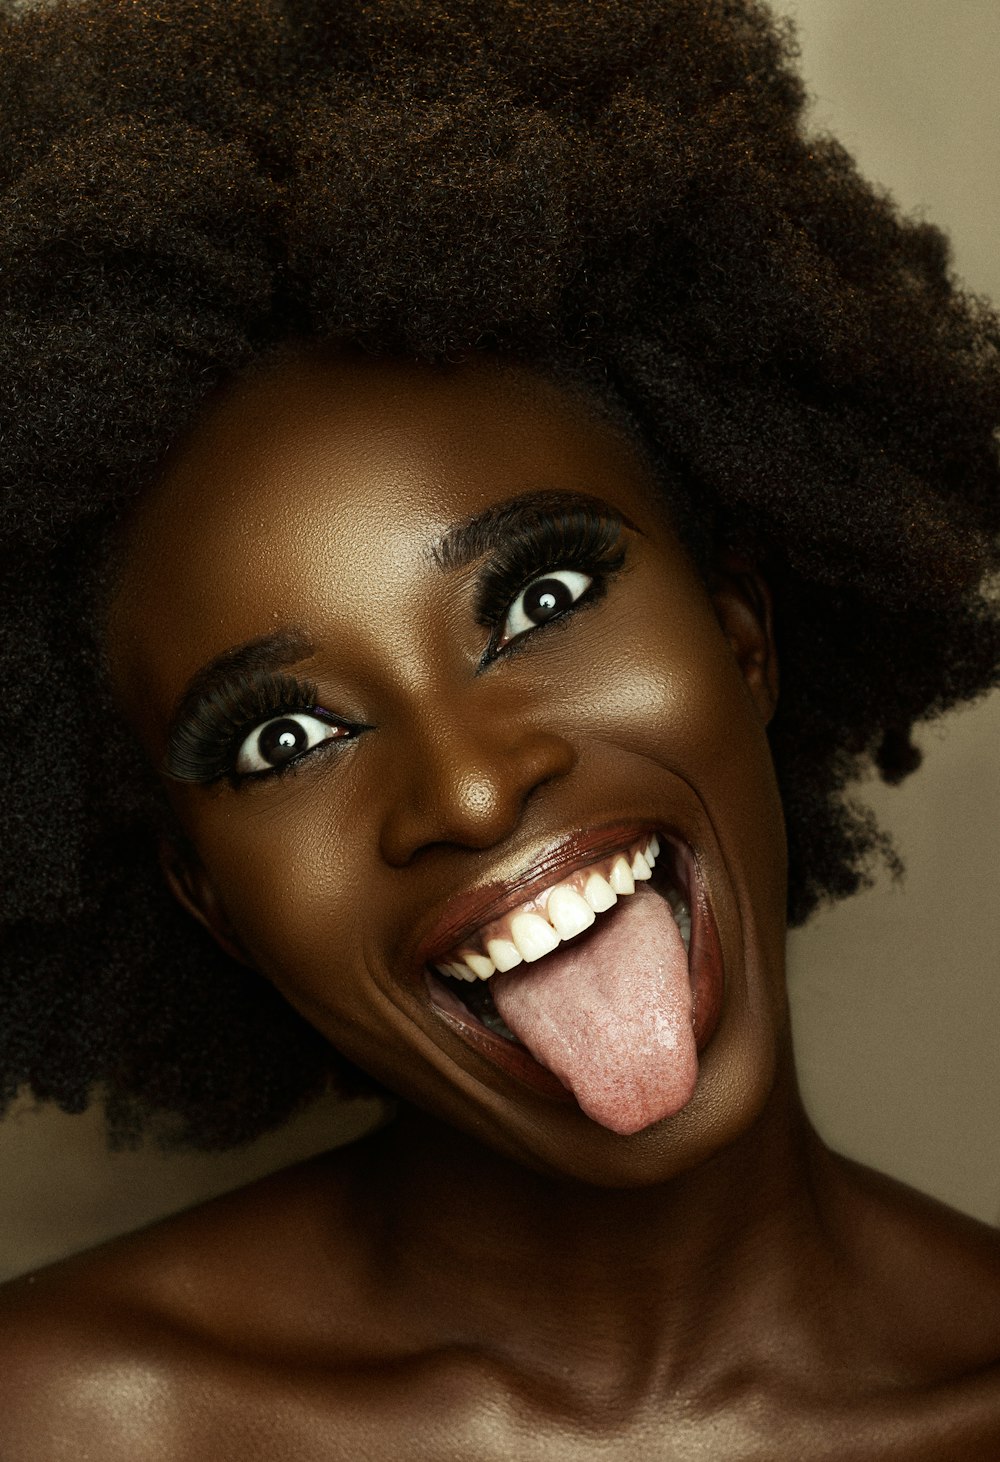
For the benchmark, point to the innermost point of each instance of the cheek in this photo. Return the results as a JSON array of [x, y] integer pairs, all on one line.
[[672, 690], [672, 695], [292, 889]]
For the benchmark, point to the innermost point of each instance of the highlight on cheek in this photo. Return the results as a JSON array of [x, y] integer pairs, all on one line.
[[249, 727]]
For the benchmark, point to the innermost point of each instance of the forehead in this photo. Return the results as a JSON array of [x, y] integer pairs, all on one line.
[[303, 487]]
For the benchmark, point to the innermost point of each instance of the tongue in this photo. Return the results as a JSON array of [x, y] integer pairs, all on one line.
[[610, 1015]]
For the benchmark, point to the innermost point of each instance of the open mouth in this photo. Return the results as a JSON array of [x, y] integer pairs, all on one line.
[[603, 913], [563, 911]]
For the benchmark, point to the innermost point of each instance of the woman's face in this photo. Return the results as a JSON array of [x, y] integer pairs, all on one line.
[[338, 553]]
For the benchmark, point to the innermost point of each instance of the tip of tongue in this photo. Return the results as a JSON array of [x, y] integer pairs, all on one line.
[[611, 1015], [629, 1106]]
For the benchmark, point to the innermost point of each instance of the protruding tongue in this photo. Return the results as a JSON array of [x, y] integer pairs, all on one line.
[[610, 1015]]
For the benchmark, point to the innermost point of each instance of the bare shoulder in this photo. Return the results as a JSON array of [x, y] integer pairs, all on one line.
[[79, 1372], [245, 1328], [113, 1353], [931, 1275]]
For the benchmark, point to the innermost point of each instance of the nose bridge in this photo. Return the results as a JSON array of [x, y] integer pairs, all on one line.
[[464, 773]]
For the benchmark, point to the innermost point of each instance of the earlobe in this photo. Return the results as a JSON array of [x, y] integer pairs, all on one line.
[[194, 891], [743, 606]]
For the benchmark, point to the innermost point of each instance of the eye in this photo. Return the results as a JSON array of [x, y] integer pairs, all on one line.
[[278, 742], [544, 599]]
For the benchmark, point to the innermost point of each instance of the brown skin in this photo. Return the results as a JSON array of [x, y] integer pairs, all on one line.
[[493, 1275]]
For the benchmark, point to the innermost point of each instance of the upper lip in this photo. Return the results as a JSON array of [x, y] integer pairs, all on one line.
[[466, 912]]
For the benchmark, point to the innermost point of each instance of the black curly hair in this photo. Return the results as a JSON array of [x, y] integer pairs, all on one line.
[[621, 191]]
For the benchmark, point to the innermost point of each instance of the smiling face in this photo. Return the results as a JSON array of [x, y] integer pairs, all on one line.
[[426, 663]]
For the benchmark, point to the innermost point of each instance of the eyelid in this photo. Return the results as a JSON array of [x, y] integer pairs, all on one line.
[[582, 538], [578, 537], [201, 748]]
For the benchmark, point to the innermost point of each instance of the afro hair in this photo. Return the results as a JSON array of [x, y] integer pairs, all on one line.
[[620, 190]]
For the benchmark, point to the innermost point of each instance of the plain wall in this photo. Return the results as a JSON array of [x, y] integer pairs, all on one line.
[[896, 1000], [896, 995]]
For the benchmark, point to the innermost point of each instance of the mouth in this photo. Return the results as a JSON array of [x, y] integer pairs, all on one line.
[[560, 912], [579, 907]]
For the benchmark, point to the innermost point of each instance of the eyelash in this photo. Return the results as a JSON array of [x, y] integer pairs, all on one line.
[[577, 539], [203, 748]]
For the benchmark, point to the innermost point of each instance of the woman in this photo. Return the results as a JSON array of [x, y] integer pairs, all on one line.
[[427, 433]]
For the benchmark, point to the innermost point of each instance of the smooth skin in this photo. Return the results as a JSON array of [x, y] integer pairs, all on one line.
[[492, 1275]]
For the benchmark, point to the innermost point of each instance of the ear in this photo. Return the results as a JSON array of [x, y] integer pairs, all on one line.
[[743, 607], [194, 891]]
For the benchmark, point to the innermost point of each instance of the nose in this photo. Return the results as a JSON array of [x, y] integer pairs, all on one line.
[[466, 783]]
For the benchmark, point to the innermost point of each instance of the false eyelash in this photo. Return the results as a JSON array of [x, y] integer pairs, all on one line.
[[203, 746], [578, 538]]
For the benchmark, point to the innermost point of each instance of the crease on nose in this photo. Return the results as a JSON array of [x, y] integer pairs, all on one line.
[[468, 790]]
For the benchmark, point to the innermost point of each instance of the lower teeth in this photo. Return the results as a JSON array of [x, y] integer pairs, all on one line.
[[494, 1023], [479, 1000]]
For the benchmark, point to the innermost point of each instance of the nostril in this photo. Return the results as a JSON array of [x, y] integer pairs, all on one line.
[[547, 759], [468, 790]]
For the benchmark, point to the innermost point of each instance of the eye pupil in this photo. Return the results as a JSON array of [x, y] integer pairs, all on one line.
[[281, 740], [546, 599]]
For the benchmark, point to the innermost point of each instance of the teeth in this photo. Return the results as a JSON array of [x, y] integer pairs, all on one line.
[[480, 966], [599, 893], [620, 878], [533, 936], [456, 969], [568, 912], [504, 954]]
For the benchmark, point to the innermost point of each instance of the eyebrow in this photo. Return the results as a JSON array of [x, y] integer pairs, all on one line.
[[485, 532], [271, 652]]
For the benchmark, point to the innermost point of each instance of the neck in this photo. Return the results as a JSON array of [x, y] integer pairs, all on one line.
[[604, 1280]]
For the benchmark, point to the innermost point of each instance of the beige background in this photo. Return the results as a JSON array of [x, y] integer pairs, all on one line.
[[896, 996]]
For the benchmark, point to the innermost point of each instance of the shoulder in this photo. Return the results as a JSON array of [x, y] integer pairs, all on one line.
[[120, 1352], [79, 1368], [930, 1277]]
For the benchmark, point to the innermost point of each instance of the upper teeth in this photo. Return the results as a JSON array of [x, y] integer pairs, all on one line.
[[560, 913]]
